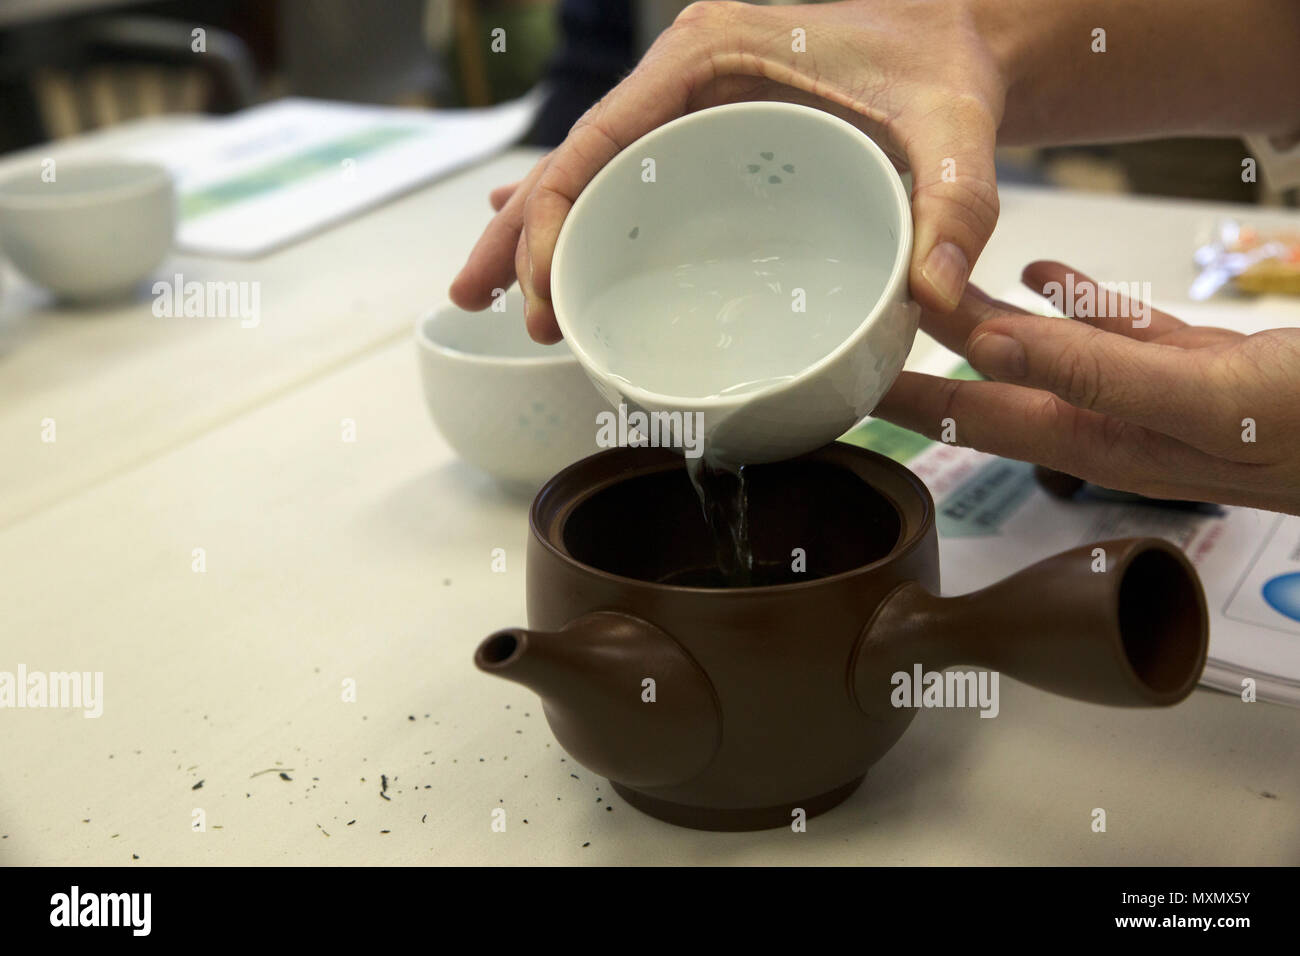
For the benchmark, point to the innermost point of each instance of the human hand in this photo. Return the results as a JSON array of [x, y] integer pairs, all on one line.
[[915, 76], [1170, 411]]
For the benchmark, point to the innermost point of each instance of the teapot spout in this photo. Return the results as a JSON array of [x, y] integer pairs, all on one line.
[[1121, 622], [623, 698]]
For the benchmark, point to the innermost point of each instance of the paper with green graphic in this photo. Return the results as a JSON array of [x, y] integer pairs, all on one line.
[[275, 173]]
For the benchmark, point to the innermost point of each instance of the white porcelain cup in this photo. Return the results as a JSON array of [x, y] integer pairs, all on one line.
[[516, 409], [88, 230], [747, 262]]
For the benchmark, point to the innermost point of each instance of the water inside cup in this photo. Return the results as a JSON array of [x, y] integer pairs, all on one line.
[[731, 325]]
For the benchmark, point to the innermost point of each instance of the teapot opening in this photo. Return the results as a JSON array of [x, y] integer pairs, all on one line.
[[1158, 608], [498, 649], [808, 519]]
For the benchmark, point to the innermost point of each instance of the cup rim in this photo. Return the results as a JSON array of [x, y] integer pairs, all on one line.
[[898, 275], [152, 176], [429, 344], [625, 463]]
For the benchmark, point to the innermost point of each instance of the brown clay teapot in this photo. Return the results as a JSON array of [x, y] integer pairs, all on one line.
[[730, 708]]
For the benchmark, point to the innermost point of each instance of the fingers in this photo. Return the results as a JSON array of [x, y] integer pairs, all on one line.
[[657, 91], [1200, 337], [544, 215], [1160, 387], [953, 329], [1031, 425], [491, 263], [499, 196], [539, 317], [1079, 297], [595, 139], [954, 195]]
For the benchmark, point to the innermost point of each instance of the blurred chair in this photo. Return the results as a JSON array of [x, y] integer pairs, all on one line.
[[64, 77]]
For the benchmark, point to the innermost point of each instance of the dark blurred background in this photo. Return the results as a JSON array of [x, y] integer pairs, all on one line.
[[67, 66]]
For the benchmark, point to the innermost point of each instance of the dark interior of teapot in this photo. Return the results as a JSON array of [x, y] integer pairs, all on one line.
[[807, 519]]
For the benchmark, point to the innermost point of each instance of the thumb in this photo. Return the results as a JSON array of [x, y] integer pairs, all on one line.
[[954, 198]]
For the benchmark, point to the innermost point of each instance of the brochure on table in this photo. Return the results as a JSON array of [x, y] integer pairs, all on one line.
[[269, 175]]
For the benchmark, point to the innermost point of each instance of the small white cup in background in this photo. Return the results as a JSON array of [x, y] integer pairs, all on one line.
[[516, 409], [92, 232], [748, 262]]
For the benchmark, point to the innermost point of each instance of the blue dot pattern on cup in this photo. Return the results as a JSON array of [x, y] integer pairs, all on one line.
[[772, 176], [541, 421]]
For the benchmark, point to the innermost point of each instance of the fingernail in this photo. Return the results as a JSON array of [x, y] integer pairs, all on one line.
[[998, 356], [945, 269]]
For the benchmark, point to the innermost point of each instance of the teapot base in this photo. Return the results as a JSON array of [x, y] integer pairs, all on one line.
[[744, 818]]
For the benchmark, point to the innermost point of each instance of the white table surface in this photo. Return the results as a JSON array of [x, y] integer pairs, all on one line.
[[122, 384], [370, 561]]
